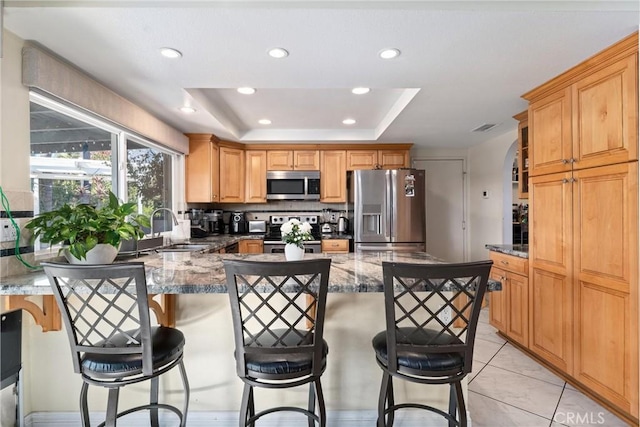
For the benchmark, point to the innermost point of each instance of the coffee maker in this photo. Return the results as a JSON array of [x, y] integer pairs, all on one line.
[[237, 223], [215, 224]]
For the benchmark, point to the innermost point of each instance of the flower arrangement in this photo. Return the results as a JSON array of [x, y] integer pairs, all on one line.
[[296, 232]]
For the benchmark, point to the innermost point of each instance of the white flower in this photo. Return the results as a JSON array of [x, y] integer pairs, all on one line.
[[286, 228], [305, 227], [295, 232]]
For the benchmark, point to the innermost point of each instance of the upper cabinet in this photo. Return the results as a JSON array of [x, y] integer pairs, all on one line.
[[202, 176], [523, 155], [256, 172], [377, 159], [286, 160], [333, 176], [588, 116], [232, 175]]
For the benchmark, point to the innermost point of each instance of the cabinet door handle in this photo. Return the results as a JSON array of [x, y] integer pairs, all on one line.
[[565, 180], [565, 161], [573, 160]]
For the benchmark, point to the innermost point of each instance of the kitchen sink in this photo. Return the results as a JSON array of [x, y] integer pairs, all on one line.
[[184, 247]]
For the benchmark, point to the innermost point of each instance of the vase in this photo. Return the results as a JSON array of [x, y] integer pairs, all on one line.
[[292, 252], [102, 253]]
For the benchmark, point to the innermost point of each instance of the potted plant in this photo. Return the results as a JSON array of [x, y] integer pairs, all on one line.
[[294, 233], [87, 231]]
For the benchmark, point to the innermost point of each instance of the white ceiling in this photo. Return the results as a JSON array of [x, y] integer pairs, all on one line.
[[463, 63]]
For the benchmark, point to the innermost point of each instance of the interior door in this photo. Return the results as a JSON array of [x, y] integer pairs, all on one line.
[[445, 213]]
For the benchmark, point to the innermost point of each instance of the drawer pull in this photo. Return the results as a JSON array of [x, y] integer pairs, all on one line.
[[504, 262]]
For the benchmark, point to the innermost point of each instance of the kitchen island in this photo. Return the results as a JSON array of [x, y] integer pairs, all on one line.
[[354, 314], [197, 273]]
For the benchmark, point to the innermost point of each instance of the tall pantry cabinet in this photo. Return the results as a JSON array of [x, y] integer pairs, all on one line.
[[583, 214]]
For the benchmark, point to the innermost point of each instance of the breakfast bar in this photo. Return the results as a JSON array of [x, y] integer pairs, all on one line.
[[354, 314], [183, 272]]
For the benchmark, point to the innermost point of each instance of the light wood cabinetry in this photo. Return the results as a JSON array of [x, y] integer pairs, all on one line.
[[605, 253], [377, 159], [232, 175], [250, 246], [509, 309], [202, 176], [333, 176], [256, 181], [523, 155], [583, 225], [283, 160], [335, 246]]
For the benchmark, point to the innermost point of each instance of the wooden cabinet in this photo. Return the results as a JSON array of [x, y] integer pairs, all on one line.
[[583, 224], [605, 253], [377, 159], [202, 175], [333, 176], [335, 246], [498, 301], [523, 155], [283, 160], [509, 308], [256, 181], [590, 123], [232, 175], [550, 132], [250, 246]]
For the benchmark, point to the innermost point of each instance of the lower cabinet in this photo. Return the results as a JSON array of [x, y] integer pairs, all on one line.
[[250, 246], [335, 246], [509, 308]]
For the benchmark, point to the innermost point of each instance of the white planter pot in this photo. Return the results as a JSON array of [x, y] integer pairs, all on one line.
[[293, 253], [102, 253]]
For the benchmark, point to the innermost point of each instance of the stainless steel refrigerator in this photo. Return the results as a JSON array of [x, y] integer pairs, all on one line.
[[388, 210]]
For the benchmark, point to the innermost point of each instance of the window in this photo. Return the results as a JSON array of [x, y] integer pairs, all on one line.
[[75, 159]]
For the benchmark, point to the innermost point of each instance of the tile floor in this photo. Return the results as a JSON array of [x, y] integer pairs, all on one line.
[[508, 388]]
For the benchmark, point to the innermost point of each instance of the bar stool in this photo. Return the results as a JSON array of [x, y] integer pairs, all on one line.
[[279, 342], [420, 344], [111, 338]]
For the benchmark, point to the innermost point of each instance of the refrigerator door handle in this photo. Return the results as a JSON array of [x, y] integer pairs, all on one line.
[[388, 209]]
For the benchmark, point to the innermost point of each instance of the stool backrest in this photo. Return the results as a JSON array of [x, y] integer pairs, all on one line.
[[98, 302], [417, 299], [267, 311]]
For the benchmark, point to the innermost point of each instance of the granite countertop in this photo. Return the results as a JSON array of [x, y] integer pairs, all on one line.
[[195, 272], [521, 251]]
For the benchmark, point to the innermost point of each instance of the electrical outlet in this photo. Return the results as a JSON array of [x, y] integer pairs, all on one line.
[[334, 217], [7, 231], [445, 315]]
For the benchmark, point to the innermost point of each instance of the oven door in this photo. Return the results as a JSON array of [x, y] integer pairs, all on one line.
[[277, 247]]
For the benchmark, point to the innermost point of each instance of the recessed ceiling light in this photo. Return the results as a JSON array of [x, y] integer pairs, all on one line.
[[187, 110], [246, 90], [360, 90], [168, 52], [264, 121], [349, 122], [278, 52], [389, 53]]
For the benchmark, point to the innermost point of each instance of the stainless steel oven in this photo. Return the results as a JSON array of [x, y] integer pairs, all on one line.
[[293, 185], [277, 247], [273, 243]]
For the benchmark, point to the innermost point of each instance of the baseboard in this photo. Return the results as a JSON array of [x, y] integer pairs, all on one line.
[[230, 419]]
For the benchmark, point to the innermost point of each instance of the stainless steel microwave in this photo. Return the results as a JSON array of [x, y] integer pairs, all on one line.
[[293, 185]]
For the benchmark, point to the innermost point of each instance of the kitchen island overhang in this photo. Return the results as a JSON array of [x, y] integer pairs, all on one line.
[[176, 273]]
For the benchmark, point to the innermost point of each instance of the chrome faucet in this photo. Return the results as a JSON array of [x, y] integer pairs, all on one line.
[[175, 220]]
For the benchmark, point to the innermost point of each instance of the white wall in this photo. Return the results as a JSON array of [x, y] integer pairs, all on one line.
[[486, 173]]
